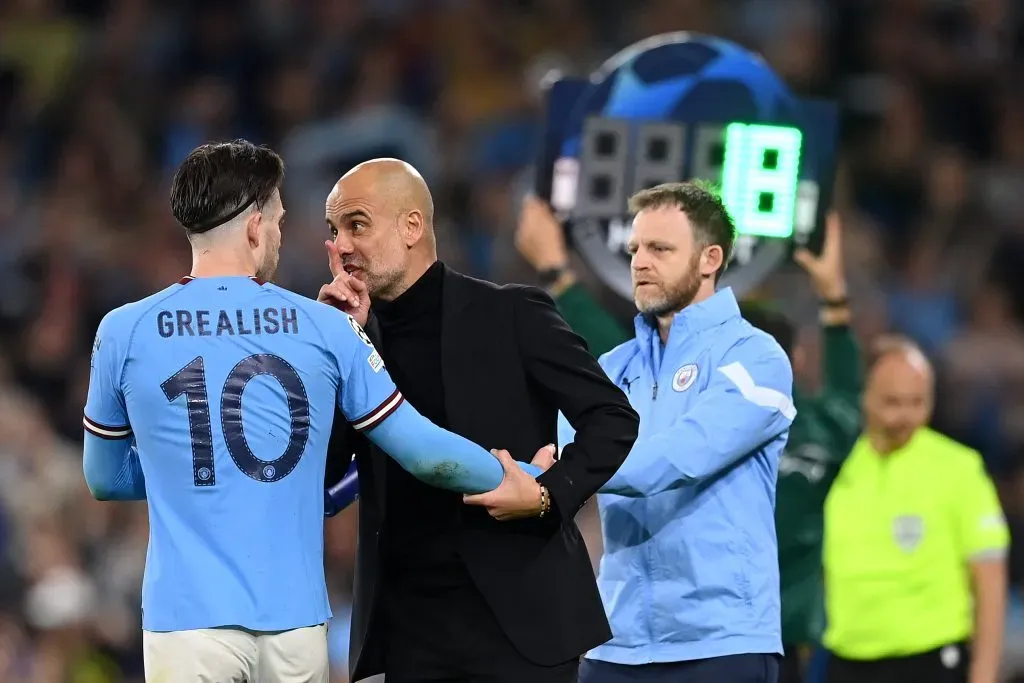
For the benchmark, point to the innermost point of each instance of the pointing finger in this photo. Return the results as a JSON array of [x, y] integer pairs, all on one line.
[[334, 259]]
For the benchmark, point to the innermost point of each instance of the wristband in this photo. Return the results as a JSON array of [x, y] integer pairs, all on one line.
[[550, 276], [567, 280], [841, 302]]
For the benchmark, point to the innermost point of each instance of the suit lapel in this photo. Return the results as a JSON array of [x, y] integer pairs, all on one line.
[[458, 356], [459, 361]]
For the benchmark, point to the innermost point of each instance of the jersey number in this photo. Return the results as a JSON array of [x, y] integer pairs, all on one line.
[[190, 381]]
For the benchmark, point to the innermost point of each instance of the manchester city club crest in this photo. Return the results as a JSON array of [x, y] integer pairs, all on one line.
[[684, 377], [360, 332], [907, 531]]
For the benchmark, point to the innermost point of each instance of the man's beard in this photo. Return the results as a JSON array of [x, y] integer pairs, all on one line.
[[382, 284], [268, 269], [677, 297]]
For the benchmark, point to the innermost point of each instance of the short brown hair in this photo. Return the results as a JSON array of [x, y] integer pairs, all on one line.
[[217, 181], [702, 205]]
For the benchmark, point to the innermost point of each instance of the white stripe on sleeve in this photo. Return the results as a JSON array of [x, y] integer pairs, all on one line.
[[765, 397], [106, 431], [378, 414]]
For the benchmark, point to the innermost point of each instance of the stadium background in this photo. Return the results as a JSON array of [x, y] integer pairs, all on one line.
[[100, 99]]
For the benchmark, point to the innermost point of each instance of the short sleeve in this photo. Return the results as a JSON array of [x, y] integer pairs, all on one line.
[[105, 414], [983, 529], [366, 394]]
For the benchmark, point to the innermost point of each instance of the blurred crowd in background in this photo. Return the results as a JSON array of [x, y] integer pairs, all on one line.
[[100, 99]]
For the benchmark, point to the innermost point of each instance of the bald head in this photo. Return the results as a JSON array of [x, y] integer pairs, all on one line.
[[899, 393], [381, 216], [395, 179]]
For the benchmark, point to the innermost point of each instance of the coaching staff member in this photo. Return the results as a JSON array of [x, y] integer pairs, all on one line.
[[690, 571], [444, 591]]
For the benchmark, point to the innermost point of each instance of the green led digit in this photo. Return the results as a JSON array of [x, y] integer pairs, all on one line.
[[759, 177]]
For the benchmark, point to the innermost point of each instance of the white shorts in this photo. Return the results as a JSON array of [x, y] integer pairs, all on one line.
[[235, 655]]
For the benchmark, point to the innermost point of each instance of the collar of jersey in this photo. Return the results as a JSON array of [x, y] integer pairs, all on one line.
[[189, 278], [867, 452], [711, 312]]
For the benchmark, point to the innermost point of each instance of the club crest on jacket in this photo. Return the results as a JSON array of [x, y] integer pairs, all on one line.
[[684, 377]]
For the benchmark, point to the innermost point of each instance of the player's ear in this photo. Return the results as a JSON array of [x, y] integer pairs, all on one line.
[[253, 225], [414, 227], [711, 260]]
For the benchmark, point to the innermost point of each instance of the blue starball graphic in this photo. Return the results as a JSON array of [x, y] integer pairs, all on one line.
[[684, 77]]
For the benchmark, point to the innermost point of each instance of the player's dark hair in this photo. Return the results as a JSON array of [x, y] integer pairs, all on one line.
[[702, 205], [772, 322], [218, 181]]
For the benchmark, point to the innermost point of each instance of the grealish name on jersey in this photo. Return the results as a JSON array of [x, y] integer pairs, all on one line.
[[199, 323]]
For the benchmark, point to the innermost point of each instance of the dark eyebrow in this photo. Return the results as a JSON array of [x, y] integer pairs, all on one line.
[[354, 213]]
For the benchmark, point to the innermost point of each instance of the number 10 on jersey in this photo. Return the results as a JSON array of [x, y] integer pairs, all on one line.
[[190, 382]]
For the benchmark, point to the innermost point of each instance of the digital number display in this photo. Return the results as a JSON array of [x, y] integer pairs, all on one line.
[[755, 165], [759, 179]]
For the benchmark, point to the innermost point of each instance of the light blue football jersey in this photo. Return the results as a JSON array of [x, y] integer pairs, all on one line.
[[228, 386]]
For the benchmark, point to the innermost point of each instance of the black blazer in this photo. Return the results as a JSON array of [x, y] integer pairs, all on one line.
[[509, 363]]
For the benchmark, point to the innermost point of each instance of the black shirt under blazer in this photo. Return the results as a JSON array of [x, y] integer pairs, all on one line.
[[510, 363]]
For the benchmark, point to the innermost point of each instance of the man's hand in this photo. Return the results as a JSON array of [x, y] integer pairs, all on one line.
[[539, 237], [545, 457], [826, 269], [344, 292], [828, 276], [519, 495]]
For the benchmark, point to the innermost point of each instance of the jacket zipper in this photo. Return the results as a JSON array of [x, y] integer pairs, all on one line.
[[650, 550]]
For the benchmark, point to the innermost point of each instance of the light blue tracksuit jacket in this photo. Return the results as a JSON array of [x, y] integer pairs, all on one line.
[[690, 567]]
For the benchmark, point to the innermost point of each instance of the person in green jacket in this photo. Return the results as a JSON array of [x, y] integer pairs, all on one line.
[[825, 429]]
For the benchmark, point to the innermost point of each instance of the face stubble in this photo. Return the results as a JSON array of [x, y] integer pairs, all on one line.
[[674, 296]]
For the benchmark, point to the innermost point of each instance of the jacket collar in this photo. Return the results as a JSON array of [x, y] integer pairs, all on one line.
[[711, 312]]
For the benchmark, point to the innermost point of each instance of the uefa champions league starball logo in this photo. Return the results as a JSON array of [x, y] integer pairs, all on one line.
[[683, 106]]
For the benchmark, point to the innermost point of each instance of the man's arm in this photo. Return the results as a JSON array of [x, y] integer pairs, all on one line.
[[989, 578], [606, 426], [341, 479], [541, 240], [843, 374], [985, 540], [842, 368], [112, 468], [434, 455], [747, 404], [375, 407], [110, 461], [586, 317]]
